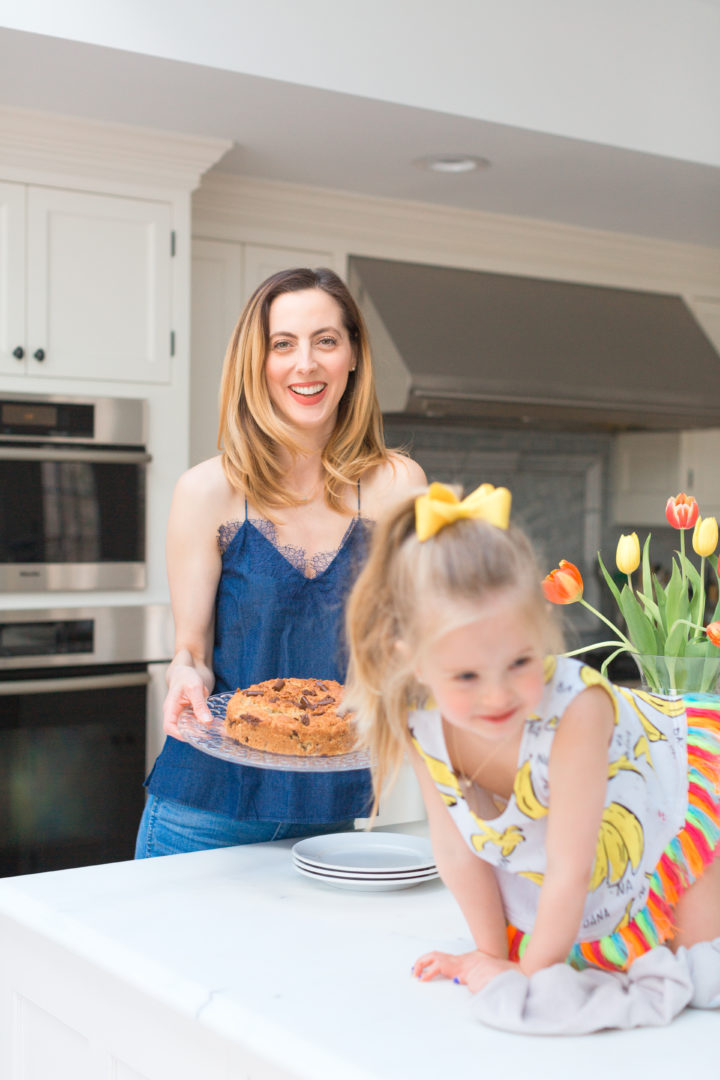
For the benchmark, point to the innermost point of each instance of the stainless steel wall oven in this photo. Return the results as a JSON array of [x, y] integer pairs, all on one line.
[[73, 705], [72, 493]]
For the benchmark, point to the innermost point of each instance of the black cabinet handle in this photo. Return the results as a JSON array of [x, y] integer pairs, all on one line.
[[19, 352], [39, 354]]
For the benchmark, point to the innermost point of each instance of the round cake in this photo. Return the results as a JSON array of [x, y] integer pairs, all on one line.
[[291, 716]]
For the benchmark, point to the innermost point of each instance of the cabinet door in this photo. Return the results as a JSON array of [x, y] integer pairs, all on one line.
[[12, 279], [261, 262], [700, 475], [645, 474], [98, 286], [217, 302]]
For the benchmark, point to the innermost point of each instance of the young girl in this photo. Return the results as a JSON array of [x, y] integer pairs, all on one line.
[[571, 819]]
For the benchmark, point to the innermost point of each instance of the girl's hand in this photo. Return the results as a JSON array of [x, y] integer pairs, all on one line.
[[485, 970], [473, 969], [187, 691]]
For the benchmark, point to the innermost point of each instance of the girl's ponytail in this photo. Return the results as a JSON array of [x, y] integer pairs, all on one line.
[[379, 685]]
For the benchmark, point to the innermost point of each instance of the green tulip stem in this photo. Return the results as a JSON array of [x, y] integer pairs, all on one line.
[[682, 559], [607, 622], [701, 608]]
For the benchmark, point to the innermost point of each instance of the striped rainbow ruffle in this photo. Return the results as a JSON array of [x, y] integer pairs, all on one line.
[[682, 862]]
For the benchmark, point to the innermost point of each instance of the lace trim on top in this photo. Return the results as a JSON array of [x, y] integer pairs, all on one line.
[[296, 556]]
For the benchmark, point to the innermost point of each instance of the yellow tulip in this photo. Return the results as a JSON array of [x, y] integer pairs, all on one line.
[[628, 554], [705, 536]]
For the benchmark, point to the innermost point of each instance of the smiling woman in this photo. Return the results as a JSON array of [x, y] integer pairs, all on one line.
[[264, 542]]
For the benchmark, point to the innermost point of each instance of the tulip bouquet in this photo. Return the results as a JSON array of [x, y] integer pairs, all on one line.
[[666, 629]]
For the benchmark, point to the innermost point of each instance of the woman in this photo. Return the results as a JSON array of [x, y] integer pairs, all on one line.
[[264, 542]]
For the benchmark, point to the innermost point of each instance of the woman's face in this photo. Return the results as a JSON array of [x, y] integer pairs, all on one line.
[[309, 358]]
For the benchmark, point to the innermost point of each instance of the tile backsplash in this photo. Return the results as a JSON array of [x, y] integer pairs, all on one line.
[[559, 483]]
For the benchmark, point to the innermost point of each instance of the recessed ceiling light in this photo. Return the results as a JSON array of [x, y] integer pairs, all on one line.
[[451, 163]]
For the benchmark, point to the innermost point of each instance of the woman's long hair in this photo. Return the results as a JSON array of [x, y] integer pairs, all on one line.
[[410, 594], [250, 430]]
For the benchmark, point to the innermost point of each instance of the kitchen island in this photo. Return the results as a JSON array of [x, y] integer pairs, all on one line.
[[228, 965]]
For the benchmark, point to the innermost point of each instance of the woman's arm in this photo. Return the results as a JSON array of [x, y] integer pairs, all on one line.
[[193, 565], [578, 785], [471, 881]]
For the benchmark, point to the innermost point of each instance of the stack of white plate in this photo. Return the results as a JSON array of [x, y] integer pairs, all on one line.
[[365, 860]]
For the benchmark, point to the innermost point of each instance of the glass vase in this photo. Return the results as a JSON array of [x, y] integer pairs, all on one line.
[[674, 675]]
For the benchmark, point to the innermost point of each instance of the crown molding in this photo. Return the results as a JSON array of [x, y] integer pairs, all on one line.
[[115, 153], [227, 206]]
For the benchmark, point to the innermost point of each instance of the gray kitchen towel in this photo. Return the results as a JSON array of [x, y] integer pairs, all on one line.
[[562, 1001]]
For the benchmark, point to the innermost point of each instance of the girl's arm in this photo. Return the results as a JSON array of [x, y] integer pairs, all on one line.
[[193, 565], [578, 785], [472, 883]]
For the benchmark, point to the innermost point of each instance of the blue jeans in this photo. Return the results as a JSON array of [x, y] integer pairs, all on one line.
[[171, 828]]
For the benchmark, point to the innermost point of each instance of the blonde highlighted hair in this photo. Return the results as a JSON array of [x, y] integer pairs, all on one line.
[[250, 430], [409, 594]]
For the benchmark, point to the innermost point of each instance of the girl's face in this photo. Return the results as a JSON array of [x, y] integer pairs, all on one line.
[[309, 358], [487, 676]]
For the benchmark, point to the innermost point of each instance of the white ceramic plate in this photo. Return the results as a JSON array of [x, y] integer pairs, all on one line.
[[376, 875], [211, 739], [366, 852], [367, 884]]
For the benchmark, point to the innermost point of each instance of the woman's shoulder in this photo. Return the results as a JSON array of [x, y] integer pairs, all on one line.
[[207, 477], [395, 478], [206, 489]]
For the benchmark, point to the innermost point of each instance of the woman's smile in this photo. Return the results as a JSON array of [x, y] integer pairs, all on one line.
[[309, 393]]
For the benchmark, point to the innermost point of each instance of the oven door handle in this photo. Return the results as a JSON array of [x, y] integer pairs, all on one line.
[[77, 682], [58, 453]]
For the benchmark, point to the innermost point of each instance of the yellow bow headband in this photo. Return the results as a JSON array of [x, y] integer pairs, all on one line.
[[440, 507]]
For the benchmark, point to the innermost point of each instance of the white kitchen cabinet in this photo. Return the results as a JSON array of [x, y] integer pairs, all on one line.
[[84, 285], [649, 467]]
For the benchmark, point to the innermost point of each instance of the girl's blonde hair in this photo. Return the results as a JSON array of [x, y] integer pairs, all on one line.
[[250, 430], [411, 593]]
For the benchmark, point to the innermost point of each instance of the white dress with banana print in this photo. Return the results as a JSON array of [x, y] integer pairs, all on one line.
[[645, 804]]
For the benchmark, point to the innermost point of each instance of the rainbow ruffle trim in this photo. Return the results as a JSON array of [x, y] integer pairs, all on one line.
[[682, 862]]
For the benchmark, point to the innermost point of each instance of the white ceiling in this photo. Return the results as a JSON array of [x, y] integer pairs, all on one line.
[[299, 134]]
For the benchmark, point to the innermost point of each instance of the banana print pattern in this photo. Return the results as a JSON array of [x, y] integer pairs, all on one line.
[[620, 842], [644, 807], [524, 794]]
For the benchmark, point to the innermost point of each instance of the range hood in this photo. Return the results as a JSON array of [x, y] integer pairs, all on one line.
[[510, 350]]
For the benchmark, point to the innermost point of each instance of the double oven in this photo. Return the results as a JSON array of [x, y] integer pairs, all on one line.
[[74, 680]]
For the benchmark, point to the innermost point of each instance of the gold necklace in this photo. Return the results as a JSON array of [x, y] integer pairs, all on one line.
[[466, 782]]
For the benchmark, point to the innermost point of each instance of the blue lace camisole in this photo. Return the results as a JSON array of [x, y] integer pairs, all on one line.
[[272, 620]]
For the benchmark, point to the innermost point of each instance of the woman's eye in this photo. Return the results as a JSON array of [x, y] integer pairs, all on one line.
[[328, 341], [282, 344]]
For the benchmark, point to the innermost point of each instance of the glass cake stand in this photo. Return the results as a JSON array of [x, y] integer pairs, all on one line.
[[212, 739]]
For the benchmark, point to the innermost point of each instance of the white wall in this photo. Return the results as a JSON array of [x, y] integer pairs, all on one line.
[[637, 74]]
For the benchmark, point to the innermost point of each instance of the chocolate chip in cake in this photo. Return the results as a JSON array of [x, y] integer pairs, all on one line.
[[250, 718], [304, 703], [324, 701], [278, 684], [305, 719], [254, 693]]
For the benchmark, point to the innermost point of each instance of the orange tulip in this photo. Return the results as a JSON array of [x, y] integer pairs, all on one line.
[[682, 511], [564, 585], [713, 632]]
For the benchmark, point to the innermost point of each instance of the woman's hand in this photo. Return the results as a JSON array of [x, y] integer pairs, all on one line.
[[473, 969], [186, 691]]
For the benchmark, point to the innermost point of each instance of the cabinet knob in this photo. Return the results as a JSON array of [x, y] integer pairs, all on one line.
[[39, 354], [19, 352]]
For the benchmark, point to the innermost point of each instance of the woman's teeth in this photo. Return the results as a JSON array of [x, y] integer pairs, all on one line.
[[308, 391]]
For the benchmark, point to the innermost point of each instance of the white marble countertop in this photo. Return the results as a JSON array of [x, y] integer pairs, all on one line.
[[313, 977]]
